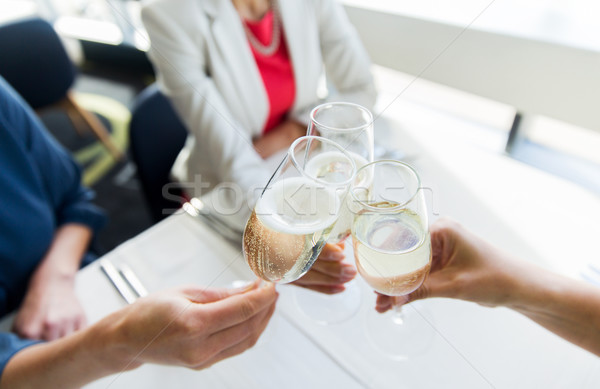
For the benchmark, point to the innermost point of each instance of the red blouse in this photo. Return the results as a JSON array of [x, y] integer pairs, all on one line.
[[276, 72]]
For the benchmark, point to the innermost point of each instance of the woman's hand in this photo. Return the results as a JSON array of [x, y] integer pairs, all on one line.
[[50, 309], [192, 327], [464, 267], [279, 138], [329, 273]]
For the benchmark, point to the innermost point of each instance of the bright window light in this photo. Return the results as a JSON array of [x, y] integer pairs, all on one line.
[[572, 23], [90, 30]]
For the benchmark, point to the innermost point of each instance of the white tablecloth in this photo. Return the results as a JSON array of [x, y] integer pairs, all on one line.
[[473, 347], [181, 250]]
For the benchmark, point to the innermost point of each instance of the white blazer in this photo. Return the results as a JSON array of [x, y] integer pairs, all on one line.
[[205, 65]]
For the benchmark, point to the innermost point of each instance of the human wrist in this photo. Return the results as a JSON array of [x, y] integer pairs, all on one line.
[[534, 290], [60, 266], [48, 277], [63, 259], [57, 274], [108, 338], [491, 277], [296, 130]]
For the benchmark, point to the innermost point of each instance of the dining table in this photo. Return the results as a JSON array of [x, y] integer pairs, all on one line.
[[470, 346]]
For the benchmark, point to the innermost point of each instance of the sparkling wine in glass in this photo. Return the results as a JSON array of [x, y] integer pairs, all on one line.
[[351, 126], [392, 249], [297, 210]]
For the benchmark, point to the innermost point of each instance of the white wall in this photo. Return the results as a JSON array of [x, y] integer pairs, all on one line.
[[533, 76]]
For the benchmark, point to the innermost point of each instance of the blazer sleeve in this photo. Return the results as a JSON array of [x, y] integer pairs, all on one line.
[[178, 54], [347, 64]]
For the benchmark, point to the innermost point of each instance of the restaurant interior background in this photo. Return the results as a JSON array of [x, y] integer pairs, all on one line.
[[558, 147]]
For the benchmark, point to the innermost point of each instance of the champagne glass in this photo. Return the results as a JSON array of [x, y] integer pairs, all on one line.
[[297, 210], [392, 249], [351, 126]]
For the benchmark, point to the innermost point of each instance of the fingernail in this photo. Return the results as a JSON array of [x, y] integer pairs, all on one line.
[[337, 256], [399, 301], [265, 285], [241, 286], [348, 272]]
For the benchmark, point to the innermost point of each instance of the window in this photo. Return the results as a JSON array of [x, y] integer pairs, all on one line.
[[561, 28]]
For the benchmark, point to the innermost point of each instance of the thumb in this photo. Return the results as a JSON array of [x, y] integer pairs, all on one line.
[[421, 293], [205, 295]]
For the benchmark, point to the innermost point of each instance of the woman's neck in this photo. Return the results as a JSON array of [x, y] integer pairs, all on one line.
[[252, 10]]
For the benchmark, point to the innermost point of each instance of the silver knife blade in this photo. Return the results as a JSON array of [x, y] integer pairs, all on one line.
[[202, 209], [196, 209], [113, 276], [134, 282]]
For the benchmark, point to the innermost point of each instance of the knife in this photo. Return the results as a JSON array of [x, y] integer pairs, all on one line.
[[115, 278], [132, 280], [196, 208]]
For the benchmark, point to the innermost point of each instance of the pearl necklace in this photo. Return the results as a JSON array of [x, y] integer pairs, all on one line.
[[269, 49]]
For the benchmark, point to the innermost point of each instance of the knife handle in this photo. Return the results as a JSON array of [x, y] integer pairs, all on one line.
[[113, 275], [132, 280]]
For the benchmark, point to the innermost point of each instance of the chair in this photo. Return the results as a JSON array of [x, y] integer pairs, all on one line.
[[35, 62], [156, 136]]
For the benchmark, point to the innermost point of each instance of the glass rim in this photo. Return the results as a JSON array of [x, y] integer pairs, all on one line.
[[292, 157], [337, 129], [394, 208]]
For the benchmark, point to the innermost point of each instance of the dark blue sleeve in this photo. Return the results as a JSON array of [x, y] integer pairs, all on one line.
[[60, 174], [10, 344]]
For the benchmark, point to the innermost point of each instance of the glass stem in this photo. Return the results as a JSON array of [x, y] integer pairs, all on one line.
[[398, 314]]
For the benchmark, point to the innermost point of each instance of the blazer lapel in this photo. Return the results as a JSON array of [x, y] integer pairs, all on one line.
[[294, 15], [237, 57]]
